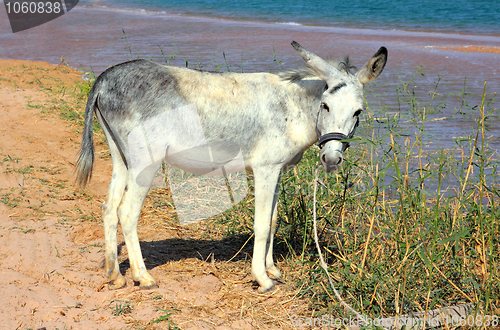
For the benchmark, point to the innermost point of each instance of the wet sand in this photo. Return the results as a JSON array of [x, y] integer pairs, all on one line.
[[473, 49]]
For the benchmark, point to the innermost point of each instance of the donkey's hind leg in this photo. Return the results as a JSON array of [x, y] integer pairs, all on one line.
[[128, 213], [270, 267], [110, 216]]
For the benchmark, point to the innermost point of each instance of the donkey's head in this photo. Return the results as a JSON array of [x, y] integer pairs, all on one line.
[[341, 103]]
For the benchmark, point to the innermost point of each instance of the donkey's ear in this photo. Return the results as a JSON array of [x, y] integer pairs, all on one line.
[[322, 68], [374, 67]]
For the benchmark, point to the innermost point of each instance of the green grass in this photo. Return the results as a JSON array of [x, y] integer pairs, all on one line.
[[404, 228], [121, 308], [165, 318]]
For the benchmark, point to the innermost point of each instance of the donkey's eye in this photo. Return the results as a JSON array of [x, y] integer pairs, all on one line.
[[326, 88], [357, 113]]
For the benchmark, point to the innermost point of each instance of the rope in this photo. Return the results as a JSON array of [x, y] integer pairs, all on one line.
[[322, 261]]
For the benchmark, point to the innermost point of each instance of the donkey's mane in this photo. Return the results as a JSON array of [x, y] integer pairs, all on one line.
[[344, 65]]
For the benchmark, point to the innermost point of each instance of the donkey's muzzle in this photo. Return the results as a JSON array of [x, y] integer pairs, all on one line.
[[331, 157]]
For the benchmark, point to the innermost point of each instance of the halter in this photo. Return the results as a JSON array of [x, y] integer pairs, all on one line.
[[335, 136]]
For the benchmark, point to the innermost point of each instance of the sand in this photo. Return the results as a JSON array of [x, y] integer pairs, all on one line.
[[51, 237], [473, 49]]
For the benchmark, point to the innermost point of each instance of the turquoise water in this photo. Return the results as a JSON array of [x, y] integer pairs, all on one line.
[[459, 16]]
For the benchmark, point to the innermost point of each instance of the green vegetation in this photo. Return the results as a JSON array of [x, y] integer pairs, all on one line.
[[121, 307], [165, 318], [404, 228]]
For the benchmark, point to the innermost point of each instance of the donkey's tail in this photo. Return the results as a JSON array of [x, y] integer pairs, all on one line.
[[86, 155]]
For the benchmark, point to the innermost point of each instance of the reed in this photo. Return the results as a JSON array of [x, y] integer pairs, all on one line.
[[405, 228]]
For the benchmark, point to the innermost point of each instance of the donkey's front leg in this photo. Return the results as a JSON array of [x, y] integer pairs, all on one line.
[[266, 179]]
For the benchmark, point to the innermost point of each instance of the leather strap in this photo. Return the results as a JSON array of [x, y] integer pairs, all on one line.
[[332, 136], [337, 136]]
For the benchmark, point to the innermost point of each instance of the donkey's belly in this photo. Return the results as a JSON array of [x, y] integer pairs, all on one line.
[[214, 158]]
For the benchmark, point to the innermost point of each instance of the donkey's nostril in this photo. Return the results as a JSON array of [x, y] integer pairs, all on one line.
[[340, 160], [323, 158]]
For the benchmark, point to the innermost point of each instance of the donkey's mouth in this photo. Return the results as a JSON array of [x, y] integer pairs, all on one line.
[[328, 168]]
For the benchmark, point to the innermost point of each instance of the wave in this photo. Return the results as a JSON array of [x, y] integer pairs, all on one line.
[[289, 23]]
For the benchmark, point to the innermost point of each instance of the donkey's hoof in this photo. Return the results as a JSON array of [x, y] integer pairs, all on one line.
[[117, 283], [267, 289], [273, 271], [148, 282], [149, 286]]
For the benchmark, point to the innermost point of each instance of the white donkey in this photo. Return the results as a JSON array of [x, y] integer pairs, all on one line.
[[271, 118]]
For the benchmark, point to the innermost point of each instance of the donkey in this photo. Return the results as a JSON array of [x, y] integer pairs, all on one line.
[[271, 118]]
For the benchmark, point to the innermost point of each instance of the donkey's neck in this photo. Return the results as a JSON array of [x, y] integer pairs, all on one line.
[[306, 99]]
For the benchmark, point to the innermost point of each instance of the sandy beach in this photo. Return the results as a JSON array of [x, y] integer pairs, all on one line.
[[473, 49]]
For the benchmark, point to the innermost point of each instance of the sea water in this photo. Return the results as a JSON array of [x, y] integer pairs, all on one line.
[[458, 16]]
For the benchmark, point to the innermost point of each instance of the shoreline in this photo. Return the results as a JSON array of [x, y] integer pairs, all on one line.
[[435, 40], [348, 29]]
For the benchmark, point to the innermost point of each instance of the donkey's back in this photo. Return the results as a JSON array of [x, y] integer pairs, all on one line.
[[147, 88], [248, 110]]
